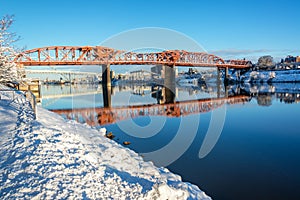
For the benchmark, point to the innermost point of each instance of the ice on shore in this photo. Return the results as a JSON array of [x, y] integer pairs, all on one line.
[[51, 158]]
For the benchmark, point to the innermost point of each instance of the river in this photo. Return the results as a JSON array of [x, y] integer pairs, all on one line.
[[238, 142]]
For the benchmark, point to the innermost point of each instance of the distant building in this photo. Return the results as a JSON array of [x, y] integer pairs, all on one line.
[[192, 71], [290, 62], [290, 59]]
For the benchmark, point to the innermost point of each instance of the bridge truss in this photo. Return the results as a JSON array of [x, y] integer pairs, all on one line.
[[98, 55]]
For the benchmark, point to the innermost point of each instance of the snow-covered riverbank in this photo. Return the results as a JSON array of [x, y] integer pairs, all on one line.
[[275, 76], [50, 158]]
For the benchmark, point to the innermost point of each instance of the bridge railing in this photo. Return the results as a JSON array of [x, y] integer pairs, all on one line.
[[32, 99]]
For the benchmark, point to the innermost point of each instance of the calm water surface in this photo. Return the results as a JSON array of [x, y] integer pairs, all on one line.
[[255, 155]]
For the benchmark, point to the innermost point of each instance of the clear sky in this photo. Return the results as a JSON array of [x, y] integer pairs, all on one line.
[[240, 28]]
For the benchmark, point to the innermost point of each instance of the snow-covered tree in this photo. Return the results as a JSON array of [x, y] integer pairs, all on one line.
[[8, 69], [265, 62]]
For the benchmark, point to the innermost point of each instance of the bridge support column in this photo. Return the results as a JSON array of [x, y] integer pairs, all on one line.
[[238, 75], [169, 84], [226, 80], [106, 75], [219, 82], [226, 91], [106, 93]]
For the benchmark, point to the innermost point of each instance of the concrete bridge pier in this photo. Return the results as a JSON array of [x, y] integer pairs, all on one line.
[[169, 84], [226, 91], [106, 93], [219, 82], [238, 75], [106, 86], [226, 80], [106, 75]]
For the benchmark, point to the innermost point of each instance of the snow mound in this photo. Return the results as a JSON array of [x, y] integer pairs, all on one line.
[[50, 158]]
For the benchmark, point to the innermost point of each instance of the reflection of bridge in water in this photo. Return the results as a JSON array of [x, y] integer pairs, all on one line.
[[108, 115], [167, 106], [60, 72], [71, 93], [67, 91], [68, 75]]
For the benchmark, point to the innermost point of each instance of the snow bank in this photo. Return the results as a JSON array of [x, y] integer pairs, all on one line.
[[290, 88], [52, 158], [276, 76]]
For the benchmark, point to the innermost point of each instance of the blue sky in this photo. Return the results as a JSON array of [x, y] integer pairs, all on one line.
[[227, 28]]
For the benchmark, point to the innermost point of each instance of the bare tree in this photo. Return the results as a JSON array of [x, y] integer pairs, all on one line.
[[8, 70], [8, 37]]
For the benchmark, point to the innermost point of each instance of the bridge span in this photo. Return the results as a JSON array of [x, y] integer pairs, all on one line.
[[98, 55]]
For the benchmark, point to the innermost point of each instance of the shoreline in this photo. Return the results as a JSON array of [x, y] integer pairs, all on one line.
[[65, 159]]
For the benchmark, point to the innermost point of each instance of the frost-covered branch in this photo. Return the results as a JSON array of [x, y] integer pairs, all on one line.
[[8, 70], [8, 38]]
